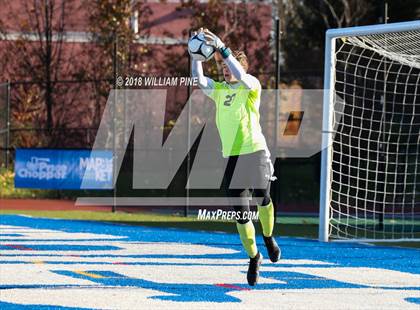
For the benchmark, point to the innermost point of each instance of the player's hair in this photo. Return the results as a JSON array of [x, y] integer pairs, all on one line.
[[241, 57]]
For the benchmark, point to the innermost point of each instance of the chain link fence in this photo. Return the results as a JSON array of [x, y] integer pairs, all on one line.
[[4, 123], [77, 110]]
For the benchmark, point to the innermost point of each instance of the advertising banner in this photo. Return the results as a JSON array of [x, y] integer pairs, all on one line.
[[63, 169]]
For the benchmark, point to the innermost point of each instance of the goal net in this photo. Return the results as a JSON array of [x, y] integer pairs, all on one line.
[[370, 179]]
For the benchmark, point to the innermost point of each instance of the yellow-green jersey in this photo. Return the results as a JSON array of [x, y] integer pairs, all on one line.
[[238, 117]]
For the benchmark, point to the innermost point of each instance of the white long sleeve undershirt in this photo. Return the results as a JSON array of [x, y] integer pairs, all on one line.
[[207, 84], [239, 73]]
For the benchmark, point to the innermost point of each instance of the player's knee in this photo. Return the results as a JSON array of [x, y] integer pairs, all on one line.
[[242, 221], [266, 200], [262, 197], [237, 192]]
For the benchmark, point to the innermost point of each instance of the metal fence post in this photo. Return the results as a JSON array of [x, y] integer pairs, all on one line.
[[187, 200], [8, 123], [114, 150], [277, 105]]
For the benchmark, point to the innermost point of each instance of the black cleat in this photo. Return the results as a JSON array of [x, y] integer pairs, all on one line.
[[254, 269], [273, 249]]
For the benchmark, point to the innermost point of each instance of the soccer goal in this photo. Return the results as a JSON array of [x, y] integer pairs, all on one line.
[[370, 178]]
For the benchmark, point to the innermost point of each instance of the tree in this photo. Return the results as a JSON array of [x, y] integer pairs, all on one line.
[[239, 25], [109, 23], [401, 10], [35, 52], [303, 26], [39, 48], [344, 13]]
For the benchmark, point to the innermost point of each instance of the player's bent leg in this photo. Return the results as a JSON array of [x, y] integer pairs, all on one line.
[[273, 248], [245, 227], [246, 232], [253, 273], [266, 216], [247, 235]]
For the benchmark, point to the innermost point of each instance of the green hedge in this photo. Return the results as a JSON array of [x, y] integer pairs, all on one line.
[[8, 190]]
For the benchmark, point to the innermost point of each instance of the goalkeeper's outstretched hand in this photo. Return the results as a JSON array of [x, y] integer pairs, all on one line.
[[213, 40]]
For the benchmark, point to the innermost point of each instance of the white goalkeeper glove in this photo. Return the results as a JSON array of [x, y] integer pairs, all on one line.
[[214, 40]]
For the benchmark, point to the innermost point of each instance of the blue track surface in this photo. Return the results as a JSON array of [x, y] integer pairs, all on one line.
[[336, 255]]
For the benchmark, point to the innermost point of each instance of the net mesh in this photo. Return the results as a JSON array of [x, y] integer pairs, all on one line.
[[375, 190], [402, 47]]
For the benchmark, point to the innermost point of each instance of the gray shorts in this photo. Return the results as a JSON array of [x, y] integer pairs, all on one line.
[[249, 171]]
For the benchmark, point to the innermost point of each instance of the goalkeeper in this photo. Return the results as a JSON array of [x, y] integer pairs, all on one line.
[[249, 169]]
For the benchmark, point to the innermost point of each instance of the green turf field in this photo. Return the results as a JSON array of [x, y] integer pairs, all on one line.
[[292, 226], [288, 226]]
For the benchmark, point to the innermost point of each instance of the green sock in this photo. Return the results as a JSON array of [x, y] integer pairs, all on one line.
[[247, 234], [266, 215]]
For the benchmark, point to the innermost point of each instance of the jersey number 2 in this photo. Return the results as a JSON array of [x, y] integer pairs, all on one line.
[[229, 99]]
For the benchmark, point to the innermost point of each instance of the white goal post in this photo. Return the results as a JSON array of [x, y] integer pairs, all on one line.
[[370, 182]]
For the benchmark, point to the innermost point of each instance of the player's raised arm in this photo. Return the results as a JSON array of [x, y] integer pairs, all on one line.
[[233, 64], [205, 83]]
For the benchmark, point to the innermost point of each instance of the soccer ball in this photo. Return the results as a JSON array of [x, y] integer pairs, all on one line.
[[198, 48]]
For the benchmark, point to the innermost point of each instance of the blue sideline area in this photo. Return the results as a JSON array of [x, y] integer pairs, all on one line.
[[335, 254]]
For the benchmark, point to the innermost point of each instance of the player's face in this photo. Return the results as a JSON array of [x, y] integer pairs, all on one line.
[[227, 75]]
